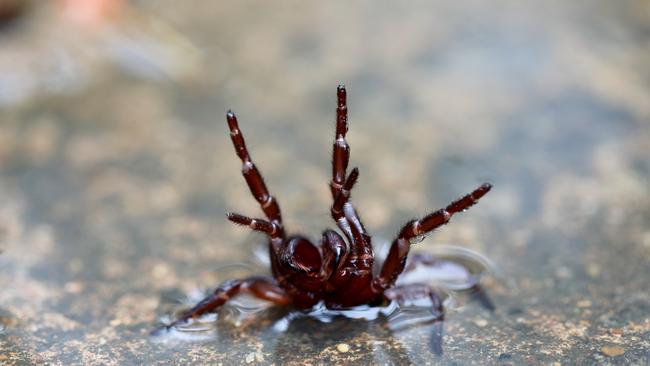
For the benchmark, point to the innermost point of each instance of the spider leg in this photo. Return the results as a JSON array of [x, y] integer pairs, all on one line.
[[253, 177], [394, 263], [341, 149], [342, 210], [262, 287], [409, 293], [269, 228], [341, 185]]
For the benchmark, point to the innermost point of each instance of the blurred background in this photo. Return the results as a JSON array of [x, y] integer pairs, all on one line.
[[116, 168]]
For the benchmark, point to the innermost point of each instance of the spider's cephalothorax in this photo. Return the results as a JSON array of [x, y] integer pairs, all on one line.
[[339, 269]]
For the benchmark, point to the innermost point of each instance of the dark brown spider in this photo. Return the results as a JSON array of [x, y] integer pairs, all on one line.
[[336, 271]]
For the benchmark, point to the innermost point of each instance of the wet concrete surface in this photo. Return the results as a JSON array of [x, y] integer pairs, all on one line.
[[114, 184]]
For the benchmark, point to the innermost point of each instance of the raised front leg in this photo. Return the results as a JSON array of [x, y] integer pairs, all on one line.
[[262, 287], [341, 185], [253, 177], [342, 210], [341, 150]]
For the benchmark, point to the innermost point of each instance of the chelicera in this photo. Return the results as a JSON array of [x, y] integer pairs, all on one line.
[[338, 270]]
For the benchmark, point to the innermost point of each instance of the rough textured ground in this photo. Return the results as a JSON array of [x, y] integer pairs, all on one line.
[[116, 170]]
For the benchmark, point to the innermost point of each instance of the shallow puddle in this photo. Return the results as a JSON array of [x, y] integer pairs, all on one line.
[[116, 171]]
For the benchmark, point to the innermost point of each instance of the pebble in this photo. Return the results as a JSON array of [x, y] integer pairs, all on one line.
[[250, 357], [563, 272], [342, 347], [505, 356], [617, 331], [583, 303], [481, 322], [612, 351], [160, 270], [593, 270], [73, 287]]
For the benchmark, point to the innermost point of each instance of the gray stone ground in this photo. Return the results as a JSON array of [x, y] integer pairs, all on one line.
[[116, 170]]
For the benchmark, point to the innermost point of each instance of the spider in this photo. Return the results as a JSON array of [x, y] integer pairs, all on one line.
[[337, 271]]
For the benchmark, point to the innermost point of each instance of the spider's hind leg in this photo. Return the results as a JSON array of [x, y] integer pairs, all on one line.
[[261, 287]]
